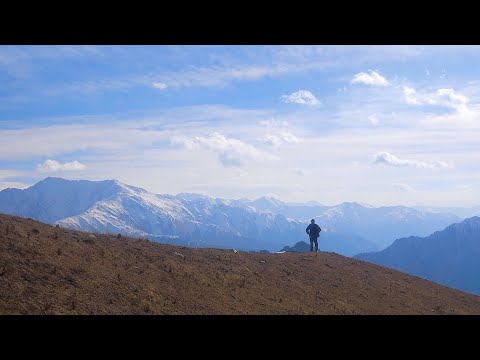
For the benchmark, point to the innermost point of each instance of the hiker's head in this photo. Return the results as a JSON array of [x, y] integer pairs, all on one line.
[[313, 221]]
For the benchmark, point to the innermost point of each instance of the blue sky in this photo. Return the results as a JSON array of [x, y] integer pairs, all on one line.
[[378, 124]]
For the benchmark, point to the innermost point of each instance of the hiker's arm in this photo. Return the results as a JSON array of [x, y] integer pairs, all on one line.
[[306, 230]]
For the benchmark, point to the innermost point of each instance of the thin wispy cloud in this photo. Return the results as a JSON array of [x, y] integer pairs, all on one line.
[[219, 76], [402, 187], [54, 166], [442, 97], [372, 78], [303, 97], [274, 123], [385, 158], [299, 172], [159, 85]]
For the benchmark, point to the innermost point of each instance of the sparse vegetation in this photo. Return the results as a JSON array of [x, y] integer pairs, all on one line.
[[69, 272]]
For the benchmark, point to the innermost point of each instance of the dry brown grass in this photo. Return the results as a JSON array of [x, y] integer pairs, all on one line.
[[49, 270]]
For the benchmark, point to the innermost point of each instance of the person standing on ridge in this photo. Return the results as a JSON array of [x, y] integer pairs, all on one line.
[[313, 230]]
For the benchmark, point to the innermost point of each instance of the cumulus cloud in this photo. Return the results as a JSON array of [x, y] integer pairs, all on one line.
[[373, 78], [402, 187], [303, 97], [53, 166], [385, 158], [232, 152], [280, 138], [442, 97], [159, 85]]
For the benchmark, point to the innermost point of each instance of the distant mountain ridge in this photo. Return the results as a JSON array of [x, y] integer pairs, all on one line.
[[379, 225], [450, 257], [199, 220], [300, 246]]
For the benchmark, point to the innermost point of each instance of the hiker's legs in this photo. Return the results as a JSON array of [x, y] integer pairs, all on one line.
[[316, 244], [311, 244]]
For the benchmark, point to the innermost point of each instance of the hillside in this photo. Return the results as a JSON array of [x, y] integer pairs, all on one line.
[[450, 257], [49, 270]]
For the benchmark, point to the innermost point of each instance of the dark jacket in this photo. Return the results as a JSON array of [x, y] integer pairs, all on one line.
[[313, 230]]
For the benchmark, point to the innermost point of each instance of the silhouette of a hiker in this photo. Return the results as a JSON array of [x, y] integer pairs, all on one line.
[[313, 230]]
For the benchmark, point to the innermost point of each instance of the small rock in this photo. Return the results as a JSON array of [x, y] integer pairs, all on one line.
[[178, 254], [235, 251], [262, 261]]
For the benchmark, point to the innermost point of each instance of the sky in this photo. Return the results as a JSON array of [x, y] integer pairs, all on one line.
[[383, 125]]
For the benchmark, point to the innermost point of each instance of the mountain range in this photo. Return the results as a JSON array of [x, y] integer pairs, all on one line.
[[203, 221]]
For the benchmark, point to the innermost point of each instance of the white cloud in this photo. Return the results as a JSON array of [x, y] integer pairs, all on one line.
[[410, 96], [449, 98], [232, 152], [159, 85], [53, 166], [442, 97], [385, 158], [280, 138], [374, 79], [373, 119], [402, 187], [303, 97]]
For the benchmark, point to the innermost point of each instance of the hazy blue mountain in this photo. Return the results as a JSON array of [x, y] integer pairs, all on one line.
[[300, 246], [450, 257], [345, 244], [382, 225]]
